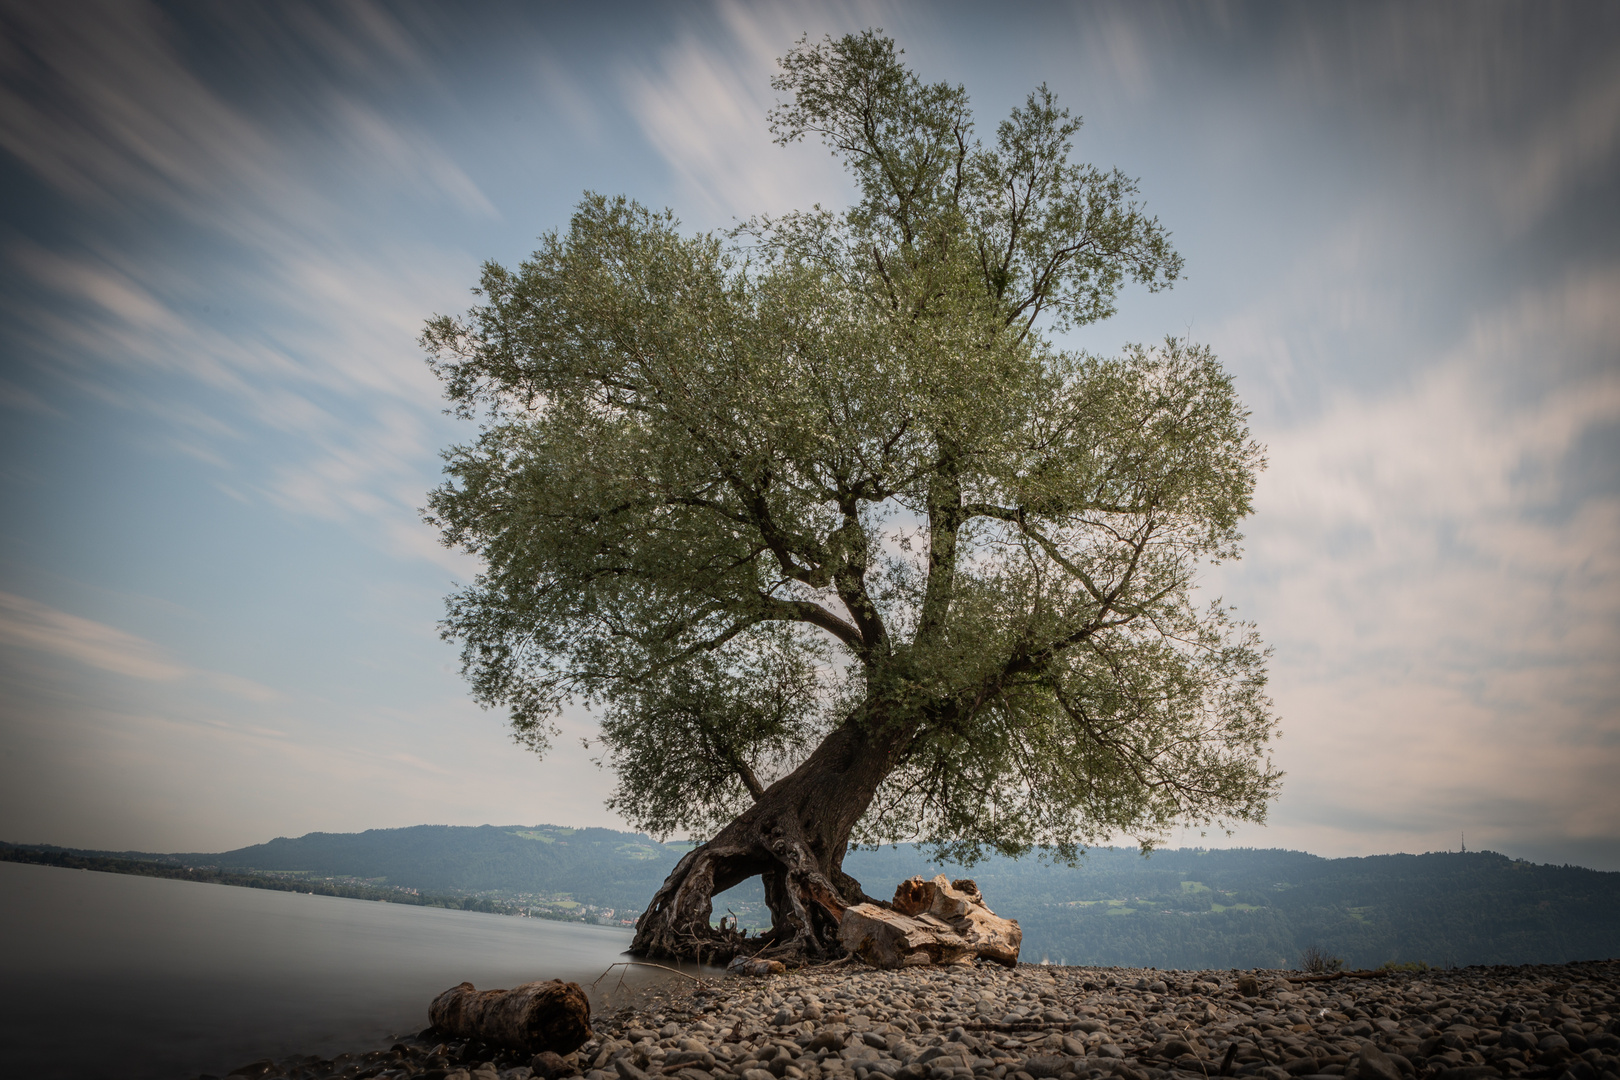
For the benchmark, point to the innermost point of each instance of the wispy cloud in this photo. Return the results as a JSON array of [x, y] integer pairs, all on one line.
[[1442, 596], [31, 625], [703, 106], [108, 112], [39, 628], [1571, 148]]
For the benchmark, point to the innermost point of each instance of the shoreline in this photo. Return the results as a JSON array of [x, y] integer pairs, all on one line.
[[63, 859], [1042, 1022]]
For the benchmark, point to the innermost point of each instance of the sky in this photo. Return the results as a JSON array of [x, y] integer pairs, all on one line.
[[223, 225]]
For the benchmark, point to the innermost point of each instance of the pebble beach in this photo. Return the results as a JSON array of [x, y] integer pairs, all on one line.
[[1039, 1022]]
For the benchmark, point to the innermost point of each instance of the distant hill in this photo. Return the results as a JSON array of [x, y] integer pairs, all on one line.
[[545, 864], [1261, 908], [1189, 908]]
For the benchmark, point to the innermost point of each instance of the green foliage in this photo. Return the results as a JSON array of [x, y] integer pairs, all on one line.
[[1410, 966], [707, 724], [831, 471]]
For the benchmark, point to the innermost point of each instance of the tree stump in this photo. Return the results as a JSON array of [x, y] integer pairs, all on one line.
[[550, 1015]]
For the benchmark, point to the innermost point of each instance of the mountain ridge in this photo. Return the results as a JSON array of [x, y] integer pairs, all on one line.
[[1177, 908]]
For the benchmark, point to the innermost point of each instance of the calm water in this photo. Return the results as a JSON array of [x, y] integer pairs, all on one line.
[[105, 975]]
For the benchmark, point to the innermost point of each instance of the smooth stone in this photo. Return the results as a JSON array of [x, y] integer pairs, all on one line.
[[627, 1070], [1174, 1048], [548, 1064], [1374, 1064]]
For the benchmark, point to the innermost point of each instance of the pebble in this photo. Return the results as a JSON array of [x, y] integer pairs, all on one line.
[[1062, 1023]]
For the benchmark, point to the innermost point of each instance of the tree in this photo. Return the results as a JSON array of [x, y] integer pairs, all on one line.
[[844, 547]]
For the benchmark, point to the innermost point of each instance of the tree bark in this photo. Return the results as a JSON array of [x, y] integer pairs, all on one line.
[[551, 1015], [795, 836]]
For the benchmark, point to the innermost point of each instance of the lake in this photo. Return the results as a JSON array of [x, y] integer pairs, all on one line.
[[109, 975]]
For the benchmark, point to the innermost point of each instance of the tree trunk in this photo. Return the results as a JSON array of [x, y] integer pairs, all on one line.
[[795, 836]]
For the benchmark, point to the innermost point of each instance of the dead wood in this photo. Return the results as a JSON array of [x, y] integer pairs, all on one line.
[[888, 939], [551, 1015], [961, 907], [1339, 975]]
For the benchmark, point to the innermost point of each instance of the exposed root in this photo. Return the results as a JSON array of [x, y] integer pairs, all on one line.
[[806, 906]]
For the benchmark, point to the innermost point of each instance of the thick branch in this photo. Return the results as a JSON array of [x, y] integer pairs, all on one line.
[[944, 522], [807, 611]]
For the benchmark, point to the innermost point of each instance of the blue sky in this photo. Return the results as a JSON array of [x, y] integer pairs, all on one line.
[[223, 226]]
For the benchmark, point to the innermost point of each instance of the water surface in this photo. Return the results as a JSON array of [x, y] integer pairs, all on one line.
[[109, 975]]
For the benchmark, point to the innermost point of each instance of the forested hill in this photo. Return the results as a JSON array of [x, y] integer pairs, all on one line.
[[1176, 909], [1261, 908], [601, 868]]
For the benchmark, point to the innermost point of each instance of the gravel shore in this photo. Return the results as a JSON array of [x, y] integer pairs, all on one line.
[[1039, 1022]]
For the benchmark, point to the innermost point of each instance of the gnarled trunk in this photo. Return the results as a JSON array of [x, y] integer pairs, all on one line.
[[794, 836]]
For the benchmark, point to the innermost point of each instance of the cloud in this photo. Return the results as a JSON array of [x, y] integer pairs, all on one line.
[[703, 107], [390, 147], [1573, 146], [1442, 594], [22, 399], [311, 392], [33, 626], [27, 624], [100, 108], [1514, 105]]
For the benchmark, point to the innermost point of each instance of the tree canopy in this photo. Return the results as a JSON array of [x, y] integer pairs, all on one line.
[[832, 473]]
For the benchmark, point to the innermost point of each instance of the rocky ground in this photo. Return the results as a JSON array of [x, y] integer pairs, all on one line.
[[1037, 1022]]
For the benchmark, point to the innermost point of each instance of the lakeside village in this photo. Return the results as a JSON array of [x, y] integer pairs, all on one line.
[[558, 907]]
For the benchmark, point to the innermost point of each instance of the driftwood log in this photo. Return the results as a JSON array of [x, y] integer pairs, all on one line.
[[960, 904], [1334, 976], [930, 922], [551, 1015]]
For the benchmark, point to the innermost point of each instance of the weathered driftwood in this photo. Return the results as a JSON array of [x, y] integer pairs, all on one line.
[[931, 922], [888, 939], [959, 904], [551, 1015], [1336, 975]]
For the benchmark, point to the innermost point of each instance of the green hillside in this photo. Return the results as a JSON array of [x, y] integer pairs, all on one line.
[[1176, 909], [1259, 908], [545, 865]]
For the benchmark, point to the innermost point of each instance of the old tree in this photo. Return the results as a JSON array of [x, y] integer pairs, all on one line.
[[841, 546]]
